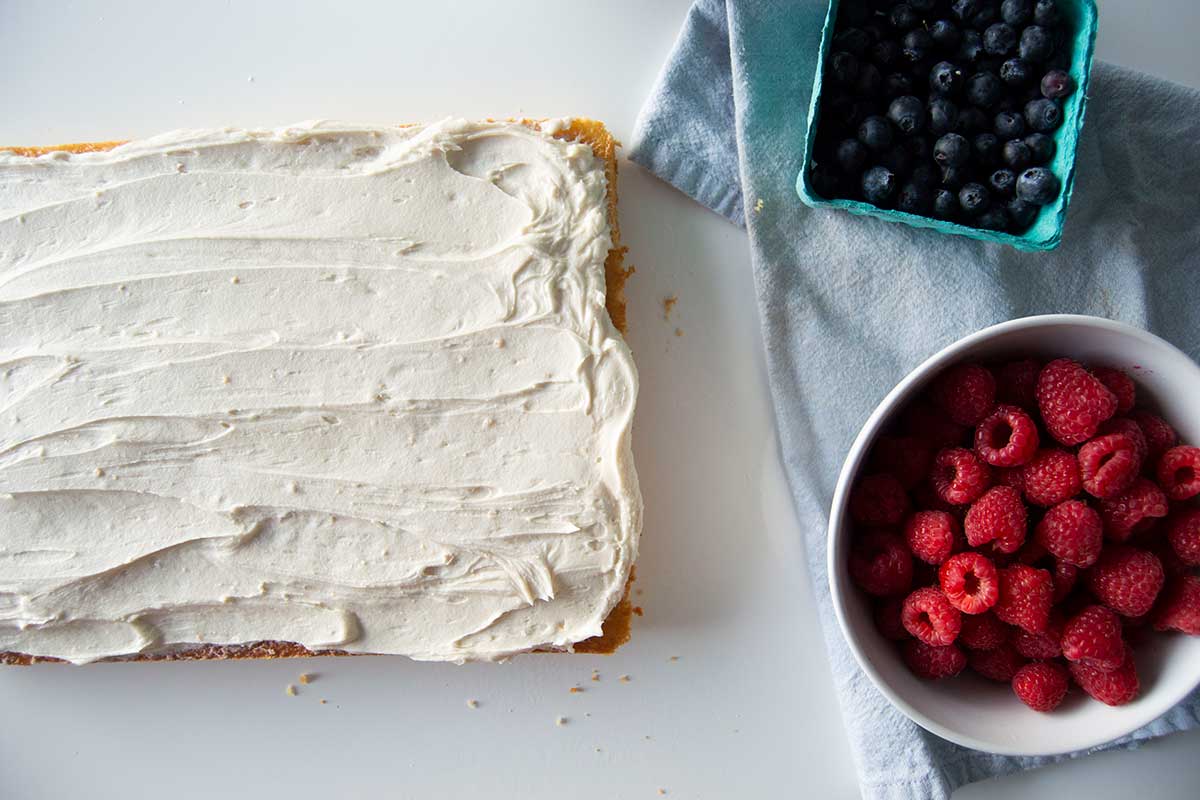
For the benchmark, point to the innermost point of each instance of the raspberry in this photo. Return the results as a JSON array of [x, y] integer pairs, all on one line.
[[932, 663], [1108, 464], [1041, 686], [999, 665], [969, 582], [982, 632], [1125, 579], [1183, 532], [880, 564], [958, 476], [1120, 384], [1072, 401], [887, 619], [1026, 594], [1131, 429], [924, 421], [1065, 576], [1093, 637], [998, 515], [928, 615], [1179, 472], [1180, 608], [1041, 645], [878, 500], [906, 457], [1007, 437], [966, 393], [931, 535], [1073, 532], [1115, 688], [1172, 564], [1160, 436], [1016, 383], [1051, 477], [1133, 511]]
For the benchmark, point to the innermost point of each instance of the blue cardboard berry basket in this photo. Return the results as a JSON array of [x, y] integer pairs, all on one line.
[[1046, 231]]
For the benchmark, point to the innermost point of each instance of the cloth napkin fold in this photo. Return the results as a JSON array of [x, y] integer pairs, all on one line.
[[851, 304]]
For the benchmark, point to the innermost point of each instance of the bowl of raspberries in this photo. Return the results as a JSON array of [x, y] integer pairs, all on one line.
[[956, 115], [1014, 541]]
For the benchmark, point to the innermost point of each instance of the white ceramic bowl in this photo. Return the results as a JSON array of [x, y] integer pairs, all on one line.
[[967, 709]]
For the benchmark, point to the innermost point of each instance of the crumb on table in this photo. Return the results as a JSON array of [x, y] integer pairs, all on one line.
[[290, 690], [306, 678], [472, 704], [758, 206], [560, 721], [639, 611], [668, 304], [624, 679], [679, 331], [576, 689]]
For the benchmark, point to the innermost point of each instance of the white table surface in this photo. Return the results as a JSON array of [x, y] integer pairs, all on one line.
[[747, 709]]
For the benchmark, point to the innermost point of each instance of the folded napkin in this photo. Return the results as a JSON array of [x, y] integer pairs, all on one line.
[[851, 304]]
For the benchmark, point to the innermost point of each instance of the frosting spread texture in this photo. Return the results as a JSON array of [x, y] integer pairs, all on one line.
[[347, 386]]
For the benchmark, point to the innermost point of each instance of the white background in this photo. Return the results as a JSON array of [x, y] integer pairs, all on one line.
[[747, 710]]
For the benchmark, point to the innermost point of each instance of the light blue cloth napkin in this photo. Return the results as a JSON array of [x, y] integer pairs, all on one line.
[[850, 304]]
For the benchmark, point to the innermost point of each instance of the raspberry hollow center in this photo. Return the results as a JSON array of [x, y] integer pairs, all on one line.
[[970, 583], [999, 435]]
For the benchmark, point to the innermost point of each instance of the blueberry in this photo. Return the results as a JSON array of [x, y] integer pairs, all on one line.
[[907, 113], [1043, 115], [987, 149], [1037, 185], [885, 52], [898, 160], [951, 150], [826, 180], [914, 198], [987, 14], [954, 177], [916, 43], [1009, 125], [903, 17], [925, 175], [994, 219], [973, 198], [1021, 213], [945, 78], [870, 80], [843, 68], [945, 34], [1003, 182], [1045, 13], [879, 186], [853, 40], [919, 147], [965, 10], [1016, 12], [923, 6], [999, 39], [1037, 44], [983, 89], [945, 204], [943, 116], [1015, 72], [897, 84], [970, 49], [971, 120], [851, 155], [1016, 154], [1057, 84], [1041, 148], [875, 133]]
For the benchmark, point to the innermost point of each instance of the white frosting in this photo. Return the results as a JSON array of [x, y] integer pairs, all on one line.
[[345, 386]]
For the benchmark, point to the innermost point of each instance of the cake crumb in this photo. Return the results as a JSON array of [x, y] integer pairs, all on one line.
[[679, 331], [664, 791], [290, 690], [235, 279], [576, 689], [596, 675], [624, 679], [306, 678], [673, 658], [323, 701], [758, 206], [639, 611], [225, 379], [560, 721], [668, 305], [599, 750], [99, 472], [472, 704]]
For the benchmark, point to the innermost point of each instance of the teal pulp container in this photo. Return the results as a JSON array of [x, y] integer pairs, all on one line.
[[1046, 231]]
